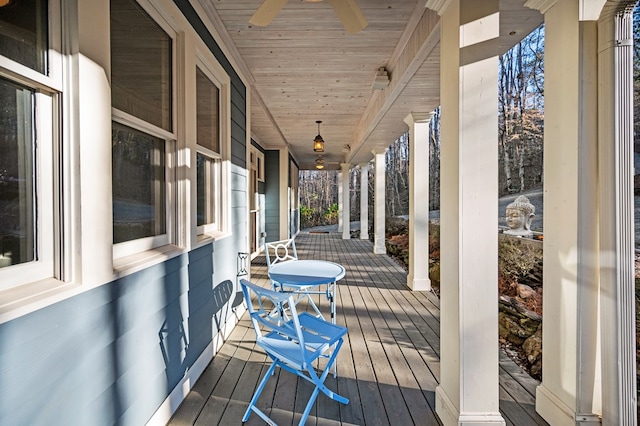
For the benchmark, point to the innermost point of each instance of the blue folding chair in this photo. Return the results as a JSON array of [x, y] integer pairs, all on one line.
[[294, 342]]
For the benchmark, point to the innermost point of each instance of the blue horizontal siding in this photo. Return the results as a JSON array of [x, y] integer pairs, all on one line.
[[102, 348], [111, 355]]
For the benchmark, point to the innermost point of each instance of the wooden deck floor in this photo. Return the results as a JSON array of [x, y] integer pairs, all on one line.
[[388, 367]]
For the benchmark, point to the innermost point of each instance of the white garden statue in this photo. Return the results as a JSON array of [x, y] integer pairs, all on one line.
[[519, 215]]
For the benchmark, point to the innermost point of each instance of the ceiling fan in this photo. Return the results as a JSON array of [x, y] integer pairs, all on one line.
[[347, 10]]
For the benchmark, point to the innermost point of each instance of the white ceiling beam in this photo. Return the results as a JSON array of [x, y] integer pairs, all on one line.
[[412, 53]]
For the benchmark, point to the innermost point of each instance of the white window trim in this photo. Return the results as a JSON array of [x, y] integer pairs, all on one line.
[[43, 266], [206, 63], [215, 226], [52, 82], [135, 247], [47, 117]]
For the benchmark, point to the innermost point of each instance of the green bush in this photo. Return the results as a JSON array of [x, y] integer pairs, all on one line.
[[306, 216], [331, 214]]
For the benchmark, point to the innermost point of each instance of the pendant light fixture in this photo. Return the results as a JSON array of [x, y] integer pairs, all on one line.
[[319, 163], [318, 142]]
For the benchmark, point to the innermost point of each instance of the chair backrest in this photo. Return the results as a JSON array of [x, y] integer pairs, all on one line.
[[280, 251], [295, 339], [273, 312]]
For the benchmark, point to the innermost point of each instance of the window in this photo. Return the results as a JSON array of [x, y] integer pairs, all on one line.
[[208, 101], [208, 154], [27, 100], [24, 33], [141, 62], [208, 190], [17, 144], [256, 160], [256, 167], [142, 131], [139, 176]]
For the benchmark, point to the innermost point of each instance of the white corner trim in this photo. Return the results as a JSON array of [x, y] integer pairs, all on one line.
[[445, 409], [438, 5], [450, 415], [481, 419], [552, 408], [542, 5]]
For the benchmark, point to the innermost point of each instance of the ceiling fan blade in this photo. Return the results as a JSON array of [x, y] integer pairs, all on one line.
[[266, 12], [349, 14]]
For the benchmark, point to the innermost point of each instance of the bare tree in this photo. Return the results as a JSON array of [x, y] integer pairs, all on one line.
[[434, 161], [520, 95]]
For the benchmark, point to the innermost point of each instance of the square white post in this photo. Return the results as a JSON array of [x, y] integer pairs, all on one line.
[[364, 201], [346, 205], [615, 178], [469, 393], [379, 246], [570, 392], [418, 276], [340, 200]]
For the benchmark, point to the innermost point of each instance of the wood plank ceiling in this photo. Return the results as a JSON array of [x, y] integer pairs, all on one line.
[[304, 67]]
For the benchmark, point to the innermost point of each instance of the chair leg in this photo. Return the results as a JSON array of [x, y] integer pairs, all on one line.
[[317, 381], [307, 409], [320, 386], [256, 395]]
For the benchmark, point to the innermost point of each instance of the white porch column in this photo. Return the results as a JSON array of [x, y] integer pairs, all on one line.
[[379, 202], [284, 193], [617, 287], [570, 389], [418, 276], [340, 199], [468, 393], [346, 207], [364, 201]]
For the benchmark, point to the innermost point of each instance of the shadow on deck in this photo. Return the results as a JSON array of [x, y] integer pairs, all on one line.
[[389, 366]]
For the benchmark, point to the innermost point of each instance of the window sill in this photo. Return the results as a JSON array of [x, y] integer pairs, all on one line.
[[28, 298], [206, 238], [136, 262]]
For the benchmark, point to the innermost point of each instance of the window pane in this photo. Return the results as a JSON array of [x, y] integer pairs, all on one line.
[[206, 190], [24, 33], [17, 205], [201, 165], [138, 184], [140, 64], [207, 119]]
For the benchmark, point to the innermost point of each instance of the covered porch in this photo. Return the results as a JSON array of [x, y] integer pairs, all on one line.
[[389, 366]]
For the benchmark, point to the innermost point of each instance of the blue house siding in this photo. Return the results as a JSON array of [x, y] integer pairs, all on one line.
[[113, 354], [238, 132]]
